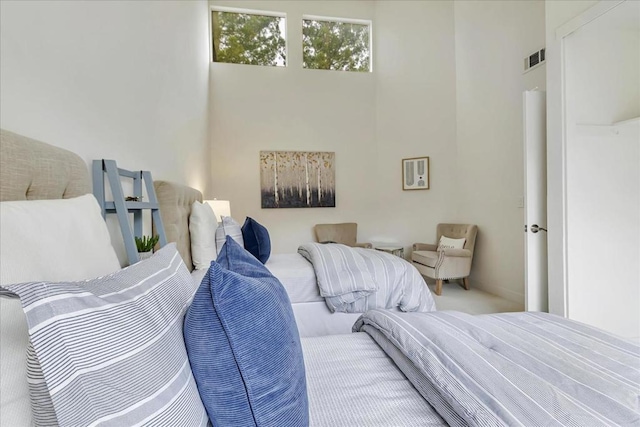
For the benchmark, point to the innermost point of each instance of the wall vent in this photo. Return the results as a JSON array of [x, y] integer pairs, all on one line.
[[534, 60]]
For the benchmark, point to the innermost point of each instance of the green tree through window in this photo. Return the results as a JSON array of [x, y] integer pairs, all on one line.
[[329, 45], [243, 38]]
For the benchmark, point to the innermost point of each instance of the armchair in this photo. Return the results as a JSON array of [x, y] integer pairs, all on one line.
[[344, 233], [447, 263]]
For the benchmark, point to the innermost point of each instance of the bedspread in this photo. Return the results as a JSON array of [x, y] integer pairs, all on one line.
[[354, 280], [513, 368]]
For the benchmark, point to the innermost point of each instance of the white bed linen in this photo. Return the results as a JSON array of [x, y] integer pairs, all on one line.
[[352, 382], [296, 275], [310, 310], [314, 319]]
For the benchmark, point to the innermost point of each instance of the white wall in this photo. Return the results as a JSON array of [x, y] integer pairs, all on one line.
[[129, 81], [415, 117], [602, 175], [405, 108], [120, 80], [117, 80], [447, 83], [492, 40]]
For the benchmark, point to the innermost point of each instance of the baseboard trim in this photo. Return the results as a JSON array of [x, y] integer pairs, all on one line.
[[508, 294]]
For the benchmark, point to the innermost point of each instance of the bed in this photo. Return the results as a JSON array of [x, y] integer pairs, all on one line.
[[296, 273], [395, 369]]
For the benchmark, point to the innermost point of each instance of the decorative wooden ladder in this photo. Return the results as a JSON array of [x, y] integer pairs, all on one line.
[[123, 207]]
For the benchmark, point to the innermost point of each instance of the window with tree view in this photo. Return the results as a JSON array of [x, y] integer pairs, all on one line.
[[248, 38], [336, 45]]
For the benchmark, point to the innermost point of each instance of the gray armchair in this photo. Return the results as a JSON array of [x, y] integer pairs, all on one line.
[[345, 233], [447, 264]]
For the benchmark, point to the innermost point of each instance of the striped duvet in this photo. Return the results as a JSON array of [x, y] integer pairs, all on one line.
[[354, 280], [513, 369]]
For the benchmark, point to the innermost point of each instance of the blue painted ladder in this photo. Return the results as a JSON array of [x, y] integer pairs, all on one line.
[[122, 207]]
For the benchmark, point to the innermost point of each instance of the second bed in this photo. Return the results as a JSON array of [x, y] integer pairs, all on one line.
[[295, 272]]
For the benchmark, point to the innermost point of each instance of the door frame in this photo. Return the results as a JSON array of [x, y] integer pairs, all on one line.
[[557, 156]]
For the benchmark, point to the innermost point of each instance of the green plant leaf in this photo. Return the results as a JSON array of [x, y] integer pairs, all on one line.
[[146, 243]]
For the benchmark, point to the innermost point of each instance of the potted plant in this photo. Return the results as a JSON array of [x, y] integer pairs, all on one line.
[[145, 245]]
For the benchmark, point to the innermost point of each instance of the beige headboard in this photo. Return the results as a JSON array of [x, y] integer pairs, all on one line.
[[175, 202], [31, 170]]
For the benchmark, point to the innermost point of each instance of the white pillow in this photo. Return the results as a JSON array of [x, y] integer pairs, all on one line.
[[228, 227], [202, 230], [51, 240], [447, 243]]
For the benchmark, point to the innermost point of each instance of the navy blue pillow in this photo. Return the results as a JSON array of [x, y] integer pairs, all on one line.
[[243, 345], [256, 239]]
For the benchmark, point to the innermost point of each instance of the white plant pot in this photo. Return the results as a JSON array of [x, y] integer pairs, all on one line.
[[145, 255]]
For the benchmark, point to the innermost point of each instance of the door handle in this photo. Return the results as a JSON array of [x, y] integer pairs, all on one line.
[[535, 228]]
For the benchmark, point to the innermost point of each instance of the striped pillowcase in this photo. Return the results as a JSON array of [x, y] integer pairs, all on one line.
[[111, 350], [228, 227]]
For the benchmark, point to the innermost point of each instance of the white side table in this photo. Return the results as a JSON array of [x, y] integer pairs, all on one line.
[[393, 250]]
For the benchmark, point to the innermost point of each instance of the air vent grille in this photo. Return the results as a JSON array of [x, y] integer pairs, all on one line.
[[534, 60]]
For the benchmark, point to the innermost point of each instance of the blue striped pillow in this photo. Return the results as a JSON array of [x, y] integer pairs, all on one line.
[[244, 346], [111, 350]]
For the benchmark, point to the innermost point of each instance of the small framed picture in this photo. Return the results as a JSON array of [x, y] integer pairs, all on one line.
[[415, 173]]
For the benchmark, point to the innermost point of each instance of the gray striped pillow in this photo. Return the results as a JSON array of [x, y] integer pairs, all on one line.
[[228, 227], [110, 351]]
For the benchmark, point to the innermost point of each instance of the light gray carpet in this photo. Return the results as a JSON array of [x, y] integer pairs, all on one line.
[[473, 301]]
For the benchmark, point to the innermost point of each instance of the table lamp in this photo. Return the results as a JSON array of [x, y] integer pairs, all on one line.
[[220, 208]]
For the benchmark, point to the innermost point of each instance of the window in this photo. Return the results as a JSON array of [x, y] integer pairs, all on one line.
[[336, 44], [248, 37]]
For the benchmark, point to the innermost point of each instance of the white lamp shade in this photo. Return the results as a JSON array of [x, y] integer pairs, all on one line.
[[220, 208]]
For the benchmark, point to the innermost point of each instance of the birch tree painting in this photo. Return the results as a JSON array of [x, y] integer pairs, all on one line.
[[297, 179]]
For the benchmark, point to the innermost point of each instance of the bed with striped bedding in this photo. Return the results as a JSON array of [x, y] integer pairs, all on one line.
[[354, 280], [513, 368], [371, 391]]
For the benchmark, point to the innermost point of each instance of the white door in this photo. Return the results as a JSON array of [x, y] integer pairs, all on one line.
[[535, 200]]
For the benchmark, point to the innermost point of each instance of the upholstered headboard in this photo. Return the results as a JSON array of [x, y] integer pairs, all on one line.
[[175, 207], [32, 170]]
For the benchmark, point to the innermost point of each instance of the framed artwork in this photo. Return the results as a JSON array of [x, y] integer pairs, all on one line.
[[297, 179], [415, 173]]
